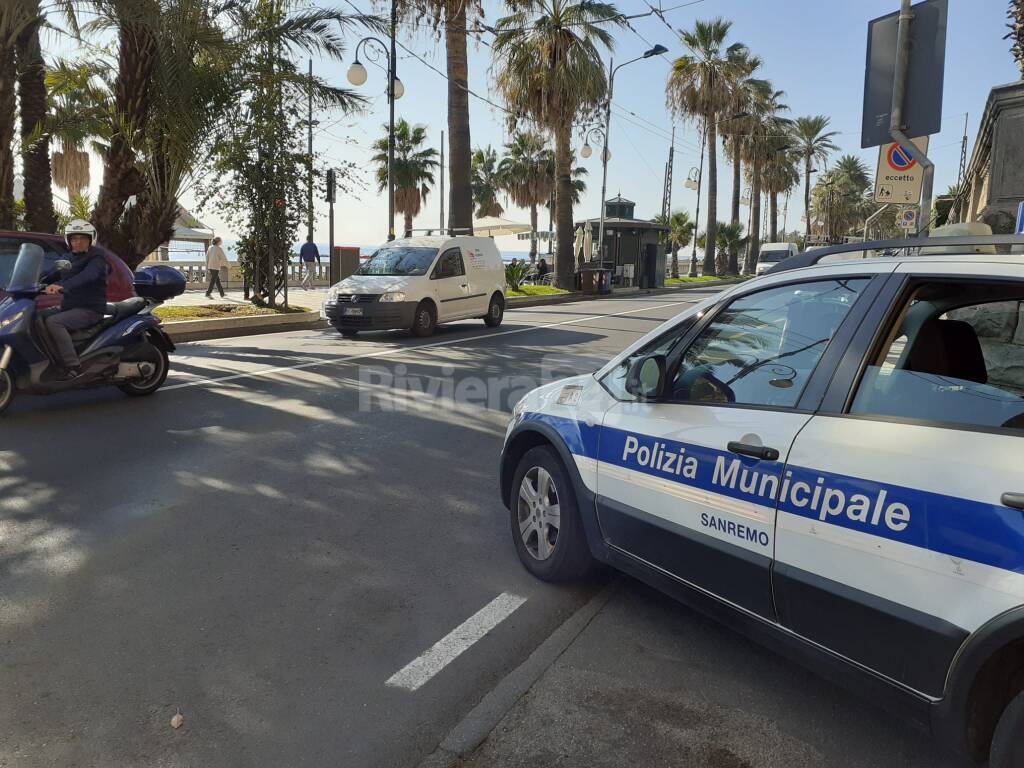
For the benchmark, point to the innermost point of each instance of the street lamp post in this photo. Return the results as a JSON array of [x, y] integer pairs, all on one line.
[[655, 51], [357, 76]]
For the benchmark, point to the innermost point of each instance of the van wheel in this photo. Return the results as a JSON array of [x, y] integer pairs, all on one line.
[[425, 319], [1008, 741], [546, 524], [495, 311], [348, 333]]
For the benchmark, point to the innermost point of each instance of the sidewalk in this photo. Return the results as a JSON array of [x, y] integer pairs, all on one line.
[[312, 299], [651, 683]]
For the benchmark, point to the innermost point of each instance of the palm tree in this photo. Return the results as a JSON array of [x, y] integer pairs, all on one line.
[[525, 174], [680, 233], [15, 19], [853, 168], [813, 143], [35, 139], [779, 175], [768, 135], [736, 128], [453, 16], [413, 169], [1015, 14], [486, 183], [547, 60], [701, 87], [839, 199]]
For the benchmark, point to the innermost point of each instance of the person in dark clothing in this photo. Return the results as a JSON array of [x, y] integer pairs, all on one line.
[[542, 269], [84, 287], [309, 254]]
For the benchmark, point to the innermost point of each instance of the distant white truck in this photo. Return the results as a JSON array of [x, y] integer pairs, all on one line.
[[771, 254]]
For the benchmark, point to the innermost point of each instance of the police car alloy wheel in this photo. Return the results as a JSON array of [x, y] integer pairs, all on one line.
[[546, 524], [1008, 741]]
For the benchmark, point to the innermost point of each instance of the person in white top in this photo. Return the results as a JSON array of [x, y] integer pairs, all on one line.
[[216, 259]]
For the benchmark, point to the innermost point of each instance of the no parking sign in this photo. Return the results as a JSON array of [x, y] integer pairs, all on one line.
[[899, 176], [908, 218]]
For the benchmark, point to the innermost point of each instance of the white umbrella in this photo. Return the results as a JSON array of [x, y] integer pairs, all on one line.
[[588, 242], [495, 226]]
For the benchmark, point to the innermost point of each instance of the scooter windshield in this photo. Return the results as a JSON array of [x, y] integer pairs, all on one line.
[[27, 269]]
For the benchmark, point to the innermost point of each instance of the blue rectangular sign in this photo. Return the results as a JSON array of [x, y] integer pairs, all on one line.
[[1020, 218]]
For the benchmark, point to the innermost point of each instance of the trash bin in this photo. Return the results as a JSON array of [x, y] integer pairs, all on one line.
[[596, 280]]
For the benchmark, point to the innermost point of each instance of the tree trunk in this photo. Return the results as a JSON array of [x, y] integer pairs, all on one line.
[[712, 228], [737, 167], [408, 225], [460, 209], [533, 232], [564, 262], [773, 215], [35, 155], [675, 261], [807, 197], [755, 220], [6, 136], [136, 56]]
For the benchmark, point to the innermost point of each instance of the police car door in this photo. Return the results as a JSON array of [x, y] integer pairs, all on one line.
[[687, 480], [907, 534]]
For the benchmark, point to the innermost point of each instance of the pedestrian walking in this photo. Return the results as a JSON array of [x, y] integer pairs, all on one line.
[[309, 254], [216, 259]]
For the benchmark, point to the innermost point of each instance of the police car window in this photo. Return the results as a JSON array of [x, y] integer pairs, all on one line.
[[953, 359], [763, 347], [450, 264], [615, 380]]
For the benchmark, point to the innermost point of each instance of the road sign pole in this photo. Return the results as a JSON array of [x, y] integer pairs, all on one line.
[[871, 219], [896, 123]]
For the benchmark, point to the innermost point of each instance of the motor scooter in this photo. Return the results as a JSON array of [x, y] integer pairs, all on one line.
[[128, 348]]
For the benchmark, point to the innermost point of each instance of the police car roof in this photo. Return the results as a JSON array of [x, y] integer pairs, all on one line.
[[956, 247]]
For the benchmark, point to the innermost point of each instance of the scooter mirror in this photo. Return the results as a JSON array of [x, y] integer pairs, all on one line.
[[63, 265]]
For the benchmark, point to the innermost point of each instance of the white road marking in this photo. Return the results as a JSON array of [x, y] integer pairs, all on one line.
[[417, 672], [400, 350]]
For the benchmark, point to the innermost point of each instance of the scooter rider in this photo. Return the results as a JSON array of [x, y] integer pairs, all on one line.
[[85, 293]]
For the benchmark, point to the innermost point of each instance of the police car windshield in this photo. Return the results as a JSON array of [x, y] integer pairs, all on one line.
[[399, 260], [771, 257]]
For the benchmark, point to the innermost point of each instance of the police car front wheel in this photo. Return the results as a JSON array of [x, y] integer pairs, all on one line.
[[546, 525], [1008, 741]]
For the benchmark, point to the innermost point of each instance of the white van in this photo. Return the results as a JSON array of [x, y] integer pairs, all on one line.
[[771, 254], [418, 282]]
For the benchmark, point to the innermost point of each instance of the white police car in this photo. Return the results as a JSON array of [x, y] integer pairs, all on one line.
[[829, 458]]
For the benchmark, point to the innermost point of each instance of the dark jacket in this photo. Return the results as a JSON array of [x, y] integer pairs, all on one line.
[[309, 252], [85, 284]]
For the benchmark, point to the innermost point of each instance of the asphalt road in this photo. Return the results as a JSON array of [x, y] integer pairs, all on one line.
[[266, 542]]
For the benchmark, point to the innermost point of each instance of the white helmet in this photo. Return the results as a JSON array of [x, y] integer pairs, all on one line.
[[80, 227]]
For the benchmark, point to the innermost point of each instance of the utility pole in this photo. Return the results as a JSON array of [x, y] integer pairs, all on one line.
[[309, 184], [696, 216], [666, 196], [442, 182], [392, 76], [896, 124]]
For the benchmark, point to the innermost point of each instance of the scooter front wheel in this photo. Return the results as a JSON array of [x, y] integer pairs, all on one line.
[[6, 390], [153, 382]]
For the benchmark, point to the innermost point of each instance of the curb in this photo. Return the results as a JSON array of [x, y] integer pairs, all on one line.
[[476, 726], [182, 331]]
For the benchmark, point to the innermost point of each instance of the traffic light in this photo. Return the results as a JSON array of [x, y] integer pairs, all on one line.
[[330, 185]]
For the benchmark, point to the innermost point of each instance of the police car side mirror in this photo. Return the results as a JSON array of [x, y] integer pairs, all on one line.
[[646, 376]]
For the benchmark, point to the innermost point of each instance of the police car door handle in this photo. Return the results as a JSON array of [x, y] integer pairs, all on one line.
[[762, 452], [1015, 500]]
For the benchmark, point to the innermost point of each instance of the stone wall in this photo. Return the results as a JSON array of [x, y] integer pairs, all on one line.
[[1000, 328]]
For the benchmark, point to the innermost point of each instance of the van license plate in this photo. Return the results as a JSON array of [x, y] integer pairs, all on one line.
[[350, 311]]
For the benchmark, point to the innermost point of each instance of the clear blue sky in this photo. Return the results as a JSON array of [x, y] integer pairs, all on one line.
[[814, 50]]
